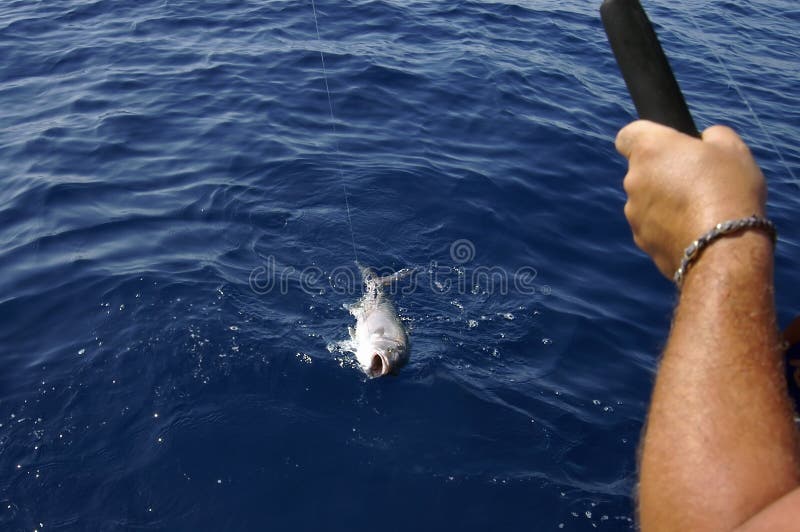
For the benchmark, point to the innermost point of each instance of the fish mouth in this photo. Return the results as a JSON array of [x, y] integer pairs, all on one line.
[[379, 365]]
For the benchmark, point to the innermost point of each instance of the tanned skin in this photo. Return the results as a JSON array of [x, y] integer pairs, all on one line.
[[720, 450]]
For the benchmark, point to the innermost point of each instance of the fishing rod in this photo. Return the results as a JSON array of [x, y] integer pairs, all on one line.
[[644, 66], [657, 97]]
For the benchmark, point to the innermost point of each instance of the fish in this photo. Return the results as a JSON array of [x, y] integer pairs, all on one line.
[[380, 340]]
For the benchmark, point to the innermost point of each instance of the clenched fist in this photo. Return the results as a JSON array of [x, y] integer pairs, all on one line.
[[680, 187]]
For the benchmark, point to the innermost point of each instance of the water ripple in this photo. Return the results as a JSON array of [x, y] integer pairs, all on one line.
[[158, 153]]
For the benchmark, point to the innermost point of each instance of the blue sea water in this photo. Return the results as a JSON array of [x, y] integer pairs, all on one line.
[[175, 257]]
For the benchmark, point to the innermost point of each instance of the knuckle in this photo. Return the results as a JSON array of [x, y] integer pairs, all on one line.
[[631, 183], [628, 210], [628, 138]]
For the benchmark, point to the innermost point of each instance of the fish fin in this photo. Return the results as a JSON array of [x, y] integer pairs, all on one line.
[[396, 276]]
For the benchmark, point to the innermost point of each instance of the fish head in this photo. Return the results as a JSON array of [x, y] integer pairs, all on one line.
[[388, 356]]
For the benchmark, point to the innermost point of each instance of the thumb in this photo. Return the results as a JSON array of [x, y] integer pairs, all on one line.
[[725, 138]]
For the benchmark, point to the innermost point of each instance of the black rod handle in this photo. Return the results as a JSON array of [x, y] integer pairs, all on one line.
[[645, 68]]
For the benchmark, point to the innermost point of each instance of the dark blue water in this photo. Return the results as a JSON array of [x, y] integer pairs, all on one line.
[[175, 256]]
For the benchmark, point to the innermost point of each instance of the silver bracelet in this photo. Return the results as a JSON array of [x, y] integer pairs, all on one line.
[[721, 229]]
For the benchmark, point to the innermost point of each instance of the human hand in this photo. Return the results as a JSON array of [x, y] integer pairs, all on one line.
[[680, 187]]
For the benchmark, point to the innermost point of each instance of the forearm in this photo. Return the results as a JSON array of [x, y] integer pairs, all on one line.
[[720, 444]]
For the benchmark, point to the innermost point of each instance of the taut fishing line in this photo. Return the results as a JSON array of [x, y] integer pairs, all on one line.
[[335, 137], [733, 84]]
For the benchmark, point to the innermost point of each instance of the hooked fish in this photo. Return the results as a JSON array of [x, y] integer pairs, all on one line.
[[381, 341]]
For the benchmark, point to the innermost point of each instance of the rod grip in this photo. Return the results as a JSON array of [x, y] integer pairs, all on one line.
[[645, 68]]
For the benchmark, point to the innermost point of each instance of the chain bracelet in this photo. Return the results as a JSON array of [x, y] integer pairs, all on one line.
[[721, 229]]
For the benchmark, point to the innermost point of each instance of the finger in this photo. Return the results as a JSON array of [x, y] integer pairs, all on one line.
[[629, 183], [629, 214], [636, 133], [627, 137]]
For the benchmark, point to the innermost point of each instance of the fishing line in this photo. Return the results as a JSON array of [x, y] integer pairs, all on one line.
[[736, 87], [335, 136]]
